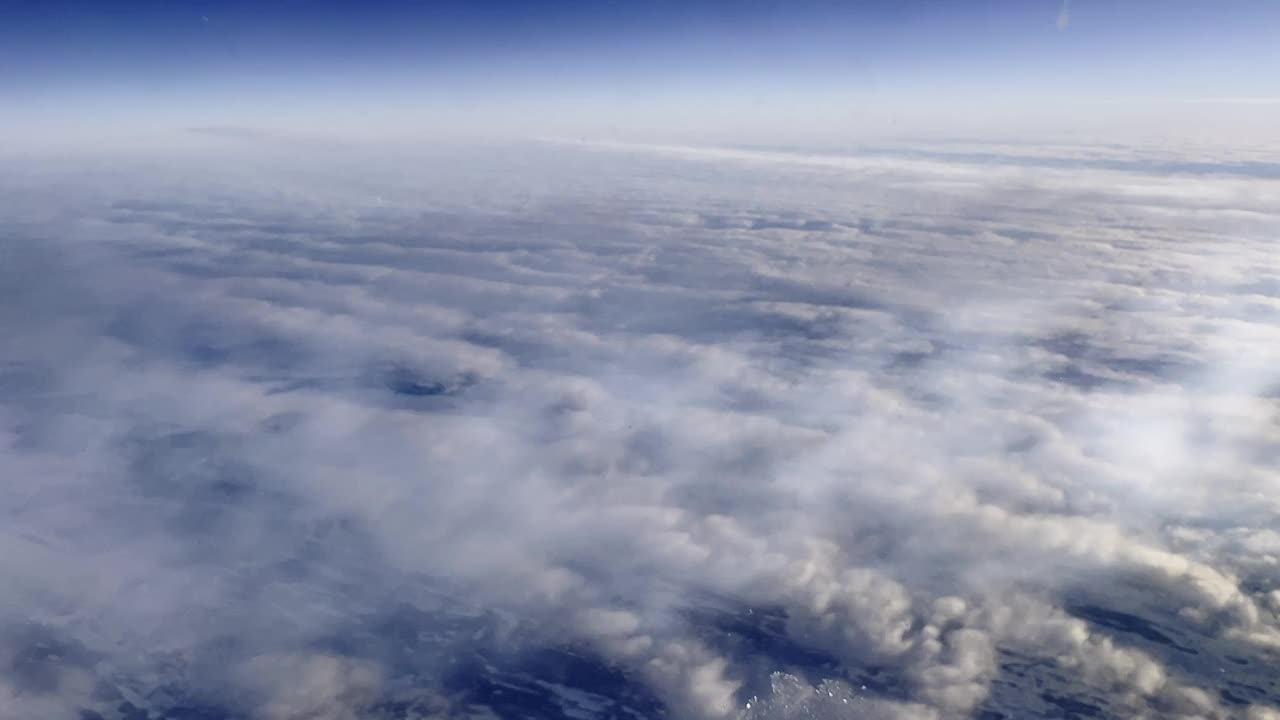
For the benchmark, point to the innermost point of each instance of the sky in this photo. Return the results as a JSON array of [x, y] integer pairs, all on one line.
[[626, 67]]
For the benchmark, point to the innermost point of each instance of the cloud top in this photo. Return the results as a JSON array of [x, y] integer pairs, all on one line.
[[587, 430]]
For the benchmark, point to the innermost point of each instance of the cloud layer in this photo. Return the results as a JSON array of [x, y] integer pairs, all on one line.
[[590, 431]]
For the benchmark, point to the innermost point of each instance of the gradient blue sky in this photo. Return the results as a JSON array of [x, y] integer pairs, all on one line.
[[377, 58]]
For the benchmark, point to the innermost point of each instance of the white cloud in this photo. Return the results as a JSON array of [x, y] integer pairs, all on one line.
[[317, 687], [304, 437]]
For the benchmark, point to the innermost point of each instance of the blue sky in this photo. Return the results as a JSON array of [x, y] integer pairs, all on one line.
[[383, 57]]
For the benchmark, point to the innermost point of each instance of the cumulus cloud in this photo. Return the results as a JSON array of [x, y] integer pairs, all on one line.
[[578, 430]]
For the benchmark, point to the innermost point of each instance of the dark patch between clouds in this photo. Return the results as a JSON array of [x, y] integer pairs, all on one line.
[[1075, 708], [1093, 364], [1125, 623], [758, 642], [550, 684], [407, 382]]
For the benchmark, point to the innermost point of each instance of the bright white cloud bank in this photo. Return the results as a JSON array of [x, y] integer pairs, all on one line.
[[584, 431]]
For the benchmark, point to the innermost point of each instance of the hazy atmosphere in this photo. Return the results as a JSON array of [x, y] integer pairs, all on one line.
[[601, 361]]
